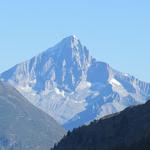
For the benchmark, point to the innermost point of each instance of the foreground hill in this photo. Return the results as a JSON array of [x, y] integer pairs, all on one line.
[[127, 130], [23, 126], [70, 85]]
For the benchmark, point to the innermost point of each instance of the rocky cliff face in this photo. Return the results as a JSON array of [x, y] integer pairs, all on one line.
[[73, 87]]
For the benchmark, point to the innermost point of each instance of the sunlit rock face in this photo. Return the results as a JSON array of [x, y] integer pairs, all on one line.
[[73, 87]]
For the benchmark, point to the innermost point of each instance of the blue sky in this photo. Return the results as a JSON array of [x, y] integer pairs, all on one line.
[[115, 31]]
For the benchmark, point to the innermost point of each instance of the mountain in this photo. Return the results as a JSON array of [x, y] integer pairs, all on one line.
[[127, 130], [66, 82], [22, 125]]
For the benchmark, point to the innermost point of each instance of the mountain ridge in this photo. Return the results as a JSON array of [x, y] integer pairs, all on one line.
[[124, 130], [22, 125], [66, 82]]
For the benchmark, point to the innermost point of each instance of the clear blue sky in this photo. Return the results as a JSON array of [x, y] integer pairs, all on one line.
[[115, 31]]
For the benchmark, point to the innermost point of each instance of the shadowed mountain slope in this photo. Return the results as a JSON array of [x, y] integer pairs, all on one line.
[[22, 125], [127, 130]]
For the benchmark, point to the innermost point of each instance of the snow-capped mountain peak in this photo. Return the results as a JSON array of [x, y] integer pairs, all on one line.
[[74, 88], [73, 40], [70, 44]]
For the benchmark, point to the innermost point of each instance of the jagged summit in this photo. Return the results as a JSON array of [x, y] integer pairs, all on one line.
[[69, 44], [72, 38], [70, 47], [63, 66], [74, 88]]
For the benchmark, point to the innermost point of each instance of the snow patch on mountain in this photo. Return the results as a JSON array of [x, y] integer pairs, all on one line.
[[114, 82], [73, 87]]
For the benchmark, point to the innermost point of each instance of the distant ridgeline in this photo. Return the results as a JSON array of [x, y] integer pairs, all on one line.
[[127, 130]]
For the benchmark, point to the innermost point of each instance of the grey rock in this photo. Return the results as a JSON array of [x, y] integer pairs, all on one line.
[[22, 125], [73, 87]]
